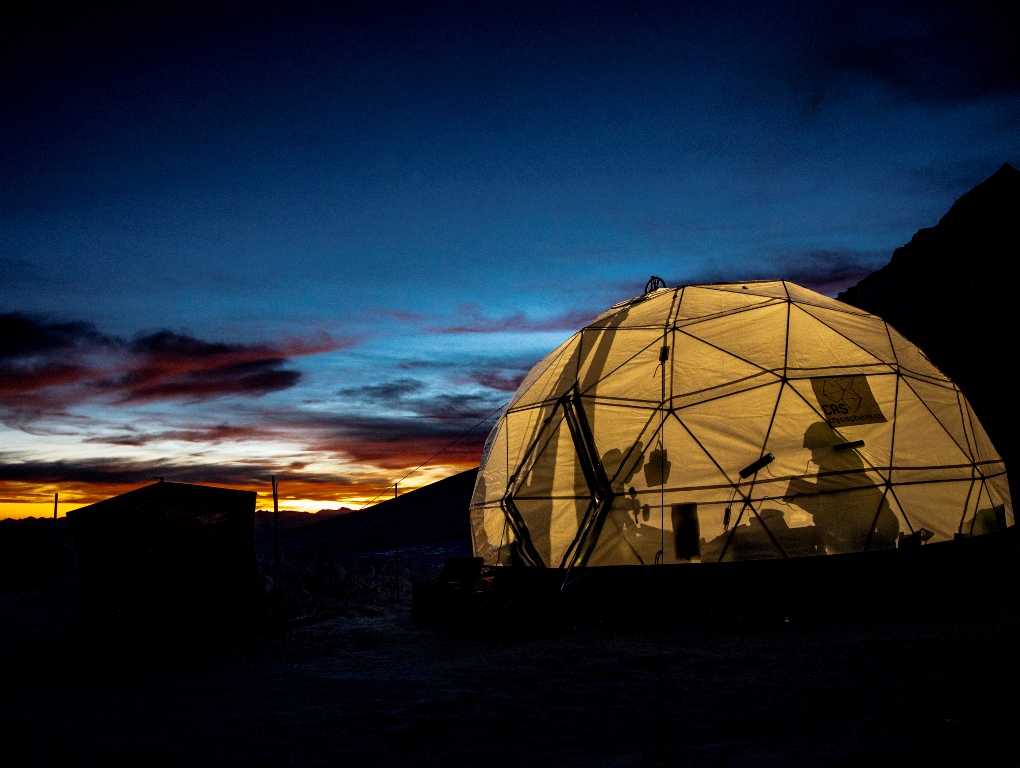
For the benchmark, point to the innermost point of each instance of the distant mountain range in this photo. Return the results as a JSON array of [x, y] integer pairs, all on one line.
[[952, 290], [435, 513], [289, 520]]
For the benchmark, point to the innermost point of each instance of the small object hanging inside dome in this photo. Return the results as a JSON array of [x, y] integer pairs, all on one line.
[[654, 283]]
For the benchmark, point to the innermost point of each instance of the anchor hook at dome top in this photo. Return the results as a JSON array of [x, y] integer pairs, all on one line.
[[654, 283]]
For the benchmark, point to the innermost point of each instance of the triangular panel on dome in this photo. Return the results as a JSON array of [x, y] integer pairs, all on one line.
[[972, 504], [703, 302], [552, 468], [772, 288], [552, 524], [990, 514], [654, 312], [982, 446], [732, 430], [622, 364], [911, 358], [629, 535], [945, 405], [620, 306], [802, 441], [525, 429], [757, 335], [550, 493], [750, 537], [850, 512], [936, 507], [557, 375], [651, 310], [923, 444], [702, 371], [814, 348], [675, 462], [866, 331], [621, 434], [905, 526], [998, 492], [819, 442], [802, 295], [492, 476], [488, 531]]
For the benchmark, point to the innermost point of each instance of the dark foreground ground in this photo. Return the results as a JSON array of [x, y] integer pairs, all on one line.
[[371, 688]]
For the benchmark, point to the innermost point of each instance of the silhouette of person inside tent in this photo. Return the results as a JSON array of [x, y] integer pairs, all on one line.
[[845, 504]]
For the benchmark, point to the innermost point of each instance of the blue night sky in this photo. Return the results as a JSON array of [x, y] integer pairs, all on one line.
[[322, 243]]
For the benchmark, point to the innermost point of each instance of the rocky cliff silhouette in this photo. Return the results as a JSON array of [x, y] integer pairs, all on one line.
[[952, 291]]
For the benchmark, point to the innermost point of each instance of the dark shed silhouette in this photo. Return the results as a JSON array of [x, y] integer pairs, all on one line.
[[168, 556]]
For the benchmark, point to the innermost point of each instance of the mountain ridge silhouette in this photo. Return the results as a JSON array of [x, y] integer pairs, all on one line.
[[951, 291]]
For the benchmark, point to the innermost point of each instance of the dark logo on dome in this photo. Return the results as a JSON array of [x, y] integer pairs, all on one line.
[[847, 401]]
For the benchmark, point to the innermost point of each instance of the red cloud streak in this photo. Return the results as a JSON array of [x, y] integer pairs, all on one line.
[[58, 365]]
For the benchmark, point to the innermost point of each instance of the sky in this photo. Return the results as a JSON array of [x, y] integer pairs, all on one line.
[[324, 241]]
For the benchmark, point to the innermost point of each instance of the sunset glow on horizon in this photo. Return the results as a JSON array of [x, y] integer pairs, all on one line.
[[323, 245]]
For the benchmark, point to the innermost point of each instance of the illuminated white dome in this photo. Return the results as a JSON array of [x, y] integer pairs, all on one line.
[[732, 421]]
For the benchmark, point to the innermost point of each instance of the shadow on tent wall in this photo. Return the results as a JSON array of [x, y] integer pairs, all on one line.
[[977, 574]]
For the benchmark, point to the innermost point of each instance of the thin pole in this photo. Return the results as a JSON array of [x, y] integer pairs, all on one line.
[[53, 561], [396, 545], [276, 536]]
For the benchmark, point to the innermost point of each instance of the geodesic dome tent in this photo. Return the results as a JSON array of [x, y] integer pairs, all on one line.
[[738, 421]]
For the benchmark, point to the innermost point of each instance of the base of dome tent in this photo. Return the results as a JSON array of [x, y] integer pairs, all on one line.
[[960, 576]]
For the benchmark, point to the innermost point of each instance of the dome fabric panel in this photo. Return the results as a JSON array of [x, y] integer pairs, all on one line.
[[551, 377], [730, 422], [766, 348], [698, 303]]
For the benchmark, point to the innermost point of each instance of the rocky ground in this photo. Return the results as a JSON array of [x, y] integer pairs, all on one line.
[[369, 687]]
